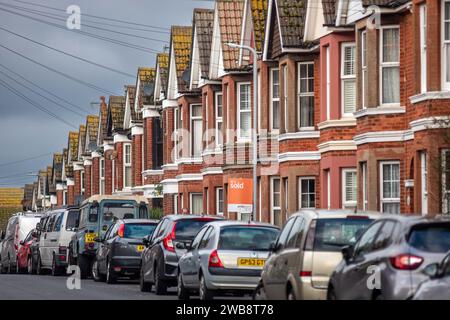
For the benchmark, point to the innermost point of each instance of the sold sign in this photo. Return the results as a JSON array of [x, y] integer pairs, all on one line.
[[240, 195]]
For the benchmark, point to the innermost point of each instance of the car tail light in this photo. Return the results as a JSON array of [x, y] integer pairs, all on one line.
[[406, 262], [168, 240], [309, 243], [214, 260], [121, 231], [304, 274]]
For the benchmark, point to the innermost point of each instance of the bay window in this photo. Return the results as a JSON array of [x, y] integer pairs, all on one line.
[[127, 165], [196, 130], [102, 176], [364, 69], [274, 99], [306, 94], [348, 79], [390, 65], [446, 44], [390, 187], [219, 201], [196, 203], [244, 111], [423, 48], [349, 187], [307, 190], [285, 97], [275, 201], [219, 118]]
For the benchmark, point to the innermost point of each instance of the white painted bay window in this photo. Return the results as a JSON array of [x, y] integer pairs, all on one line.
[[349, 188], [127, 165], [364, 69], [196, 130], [348, 79], [307, 190], [275, 201], [390, 65], [390, 187], [275, 99], [244, 111], [219, 118], [306, 95]]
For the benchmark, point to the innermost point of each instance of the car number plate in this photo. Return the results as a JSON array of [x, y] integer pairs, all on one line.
[[250, 262], [140, 248], [89, 237]]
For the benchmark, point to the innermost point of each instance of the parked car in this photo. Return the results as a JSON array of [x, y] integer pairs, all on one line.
[[119, 253], [17, 229], [24, 253], [54, 238], [96, 215], [34, 253], [389, 259], [160, 257], [438, 287], [306, 253], [224, 257]]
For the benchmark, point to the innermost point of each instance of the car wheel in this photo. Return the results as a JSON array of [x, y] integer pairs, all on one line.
[[18, 268], [183, 293], [204, 292], [30, 267], [39, 269], [9, 267], [84, 265], [56, 271], [144, 286], [291, 295], [331, 295], [259, 293], [160, 285], [110, 276], [96, 275]]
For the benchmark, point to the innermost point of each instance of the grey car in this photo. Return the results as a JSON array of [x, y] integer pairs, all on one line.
[[389, 259], [225, 257], [438, 287]]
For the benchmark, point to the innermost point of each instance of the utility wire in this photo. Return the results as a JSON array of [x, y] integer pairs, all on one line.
[[87, 84], [17, 175], [24, 160], [35, 104], [68, 54]]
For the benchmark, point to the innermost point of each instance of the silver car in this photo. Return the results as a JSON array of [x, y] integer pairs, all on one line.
[[225, 257], [438, 287]]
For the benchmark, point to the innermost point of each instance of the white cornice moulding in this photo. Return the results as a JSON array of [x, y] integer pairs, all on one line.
[[299, 156], [170, 167], [170, 186], [212, 152], [78, 166], [344, 122], [212, 171], [150, 113], [70, 182], [379, 111], [433, 95], [87, 162], [137, 130], [59, 187], [380, 136], [147, 173], [118, 138], [95, 154], [299, 135], [149, 191], [409, 183], [190, 177], [340, 145], [430, 123], [169, 103], [107, 147], [190, 161]]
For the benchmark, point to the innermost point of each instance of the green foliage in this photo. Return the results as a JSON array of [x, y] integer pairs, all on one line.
[[156, 213]]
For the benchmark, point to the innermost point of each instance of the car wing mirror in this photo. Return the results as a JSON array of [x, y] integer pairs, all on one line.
[[181, 245], [432, 270], [347, 253], [98, 239]]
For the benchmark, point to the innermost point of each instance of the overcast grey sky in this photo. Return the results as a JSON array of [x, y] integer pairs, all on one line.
[[26, 131]]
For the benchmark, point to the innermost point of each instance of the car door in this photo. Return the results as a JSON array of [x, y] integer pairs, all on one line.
[[276, 271], [103, 248], [147, 252], [353, 284], [199, 256], [45, 251], [189, 260], [155, 249], [53, 236]]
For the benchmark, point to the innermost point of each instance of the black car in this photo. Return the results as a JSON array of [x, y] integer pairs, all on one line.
[[165, 247], [119, 252]]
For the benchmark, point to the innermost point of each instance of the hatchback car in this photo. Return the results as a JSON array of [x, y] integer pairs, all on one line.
[[389, 259], [24, 253], [119, 252], [438, 287], [225, 257], [306, 253], [160, 257]]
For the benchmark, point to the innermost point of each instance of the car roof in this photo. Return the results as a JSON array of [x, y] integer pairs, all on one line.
[[416, 219], [336, 214], [100, 198], [176, 217], [226, 223], [138, 221]]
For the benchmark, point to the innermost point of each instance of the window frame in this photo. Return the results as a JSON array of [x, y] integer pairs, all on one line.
[[423, 47], [192, 119], [300, 192], [364, 69], [82, 188], [127, 165], [101, 175], [285, 97], [218, 212], [328, 82], [349, 204], [387, 65], [307, 94], [273, 100], [347, 78], [239, 111], [191, 196], [445, 43], [272, 197], [219, 133], [381, 180]]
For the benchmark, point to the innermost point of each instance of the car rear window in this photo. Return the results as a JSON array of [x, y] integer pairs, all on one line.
[[186, 229], [334, 234], [247, 238], [138, 230], [73, 218], [431, 238]]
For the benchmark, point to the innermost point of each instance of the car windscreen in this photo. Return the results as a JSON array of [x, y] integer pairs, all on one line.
[[186, 229], [247, 238], [72, 221], [138, 230], [433, 238], [334, 234], [118, 210]]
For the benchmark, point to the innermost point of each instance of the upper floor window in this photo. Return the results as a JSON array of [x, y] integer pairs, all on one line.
[[196, 130], [390, 65], [219, 118], [244, 111], [102, 176], [127, 165], [446, 45], [364, 68], [306, 94], [348, 78], [275, 99], [423, 48], [285, 97]]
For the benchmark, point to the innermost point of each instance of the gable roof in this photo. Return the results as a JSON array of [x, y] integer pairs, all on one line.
[[384, 3], [203, 26], [329, 12], [116, 112], [81, 141], [143, 91], [57, 167], [91, 133], [162, 69], [181, 43], [259, 15], [103, 117], [73, 146]]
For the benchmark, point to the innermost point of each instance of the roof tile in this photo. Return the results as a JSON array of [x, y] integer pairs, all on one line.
[[181, 42]]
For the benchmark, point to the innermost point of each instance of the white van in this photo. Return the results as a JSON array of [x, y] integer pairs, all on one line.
[[55, 235]]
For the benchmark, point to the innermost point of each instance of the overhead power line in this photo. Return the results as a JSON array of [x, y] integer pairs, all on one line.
[[35, 104], [25, 159], [87, 84]]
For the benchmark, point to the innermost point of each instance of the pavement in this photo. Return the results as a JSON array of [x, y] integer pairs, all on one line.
[[46, 287]]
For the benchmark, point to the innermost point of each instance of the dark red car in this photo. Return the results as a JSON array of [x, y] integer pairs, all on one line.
[[24, 252]]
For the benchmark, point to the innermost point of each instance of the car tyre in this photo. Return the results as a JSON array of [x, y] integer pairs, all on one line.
[[204, 292], [291, 295], [39, 269], [96, 275], [182, 292], [259, 293], [110, 276], [84, 265], [331, 295], [9, 267], [144, 286], [160, 285], [30, 265], [56, 271], [19, 270]]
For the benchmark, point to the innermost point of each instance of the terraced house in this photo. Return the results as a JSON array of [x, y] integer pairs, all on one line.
[[353, 112]]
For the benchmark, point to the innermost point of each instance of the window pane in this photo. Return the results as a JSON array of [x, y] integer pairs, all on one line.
[[350, 186], [391, 85], [245, 97], [393, 208], [391, 45], [275, 83], [349, 96], [127, 182], [197, 131], [197, 203], [349, 60], [196, 110], [447, 54], [306, 111], [245, 119]]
